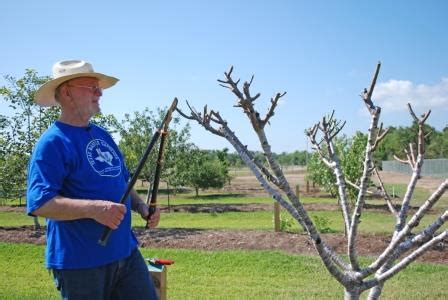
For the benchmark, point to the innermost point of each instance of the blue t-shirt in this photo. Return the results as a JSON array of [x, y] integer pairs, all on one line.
[[79, 163]]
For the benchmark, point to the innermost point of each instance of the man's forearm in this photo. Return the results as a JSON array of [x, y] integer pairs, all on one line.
[[65, 209], [136, 201], [62, 208]]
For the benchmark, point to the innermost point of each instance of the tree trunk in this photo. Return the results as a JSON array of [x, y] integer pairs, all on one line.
[[36, 223], [375, 292], [197, 191], [168, 194], [352, 294]]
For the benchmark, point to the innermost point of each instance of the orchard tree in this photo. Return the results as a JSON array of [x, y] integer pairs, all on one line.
[[407, 242], [296, 158], [351, 155], [22, 128], [319, 174], [205, 171], [136, 130], [439, 144]]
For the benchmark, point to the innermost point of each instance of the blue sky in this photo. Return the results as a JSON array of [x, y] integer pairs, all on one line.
[[322, 53]]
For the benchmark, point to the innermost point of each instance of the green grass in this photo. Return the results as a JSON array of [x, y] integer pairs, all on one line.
[[23, 273], [224, 275], [419, 196], [400, 189], [371, 222], [14, 219], [212, 199]]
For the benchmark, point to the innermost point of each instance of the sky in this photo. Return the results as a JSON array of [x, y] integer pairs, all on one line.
[[322, 53]]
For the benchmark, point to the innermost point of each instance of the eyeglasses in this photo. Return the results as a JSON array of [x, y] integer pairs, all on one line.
[[93, 89]]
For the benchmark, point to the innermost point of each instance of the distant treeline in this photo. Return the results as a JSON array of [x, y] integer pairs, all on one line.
[[394, 143], [398, 139], [296, 158]]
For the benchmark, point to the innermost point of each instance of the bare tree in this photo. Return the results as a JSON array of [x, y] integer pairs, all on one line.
[[404, 247]]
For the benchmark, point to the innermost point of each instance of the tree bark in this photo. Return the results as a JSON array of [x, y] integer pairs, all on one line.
[[352, 294]]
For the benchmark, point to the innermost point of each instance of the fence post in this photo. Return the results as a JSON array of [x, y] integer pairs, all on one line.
[[276, 216]]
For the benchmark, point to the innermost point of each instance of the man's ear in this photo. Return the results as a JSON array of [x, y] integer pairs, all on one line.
[[65, 93]]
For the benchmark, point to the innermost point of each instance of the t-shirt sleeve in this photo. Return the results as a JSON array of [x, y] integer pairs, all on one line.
[[47, 170]]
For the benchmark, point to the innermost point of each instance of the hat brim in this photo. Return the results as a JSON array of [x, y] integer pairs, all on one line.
[[44, 96]]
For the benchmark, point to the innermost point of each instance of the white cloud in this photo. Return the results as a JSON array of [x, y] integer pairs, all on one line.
[[394, 95]]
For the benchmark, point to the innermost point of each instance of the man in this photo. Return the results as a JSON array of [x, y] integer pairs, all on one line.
[[76, 178]]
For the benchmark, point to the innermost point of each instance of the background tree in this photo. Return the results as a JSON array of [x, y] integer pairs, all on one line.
[[295, 158], [136, 130], [438, 148], [320, 174], [21, 129], [234, 160], [405, 246], [399, 139], [350, 152], [205, 170]]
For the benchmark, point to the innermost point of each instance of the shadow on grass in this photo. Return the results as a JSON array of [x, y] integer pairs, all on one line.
[[145, 236], [161, 191], [216, 196]]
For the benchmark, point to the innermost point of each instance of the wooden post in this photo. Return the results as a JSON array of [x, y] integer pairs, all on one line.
[[276, 216], [297, 191], [168, 191], [159, 279], [307, 186]]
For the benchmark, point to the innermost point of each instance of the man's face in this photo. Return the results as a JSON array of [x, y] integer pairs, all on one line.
[[85, 95]]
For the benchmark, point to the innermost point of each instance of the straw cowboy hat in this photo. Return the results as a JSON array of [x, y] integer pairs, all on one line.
[[66, 70]]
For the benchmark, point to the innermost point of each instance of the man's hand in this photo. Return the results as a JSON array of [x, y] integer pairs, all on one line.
[[143, 210], [154, 219], [109, 213]]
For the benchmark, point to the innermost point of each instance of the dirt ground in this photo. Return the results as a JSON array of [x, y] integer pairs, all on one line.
[[368, 245]]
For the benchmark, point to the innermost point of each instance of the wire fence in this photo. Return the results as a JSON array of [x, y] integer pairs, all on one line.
[[431, 167]]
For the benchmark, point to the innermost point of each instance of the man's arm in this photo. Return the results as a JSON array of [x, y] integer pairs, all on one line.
[[104, 212], [139, 206]]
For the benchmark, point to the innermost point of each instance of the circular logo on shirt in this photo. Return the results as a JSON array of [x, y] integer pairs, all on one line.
[[103, 158]]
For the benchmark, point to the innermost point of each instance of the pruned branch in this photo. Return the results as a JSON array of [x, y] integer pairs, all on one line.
[[367, 93], [421, 122], [385, 194], [270, 113], [357, 186], [329, 129], [416, 163], [402, 232], [380, 136], [402, 160], [246, 101], [204, 119], [411, 257]]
